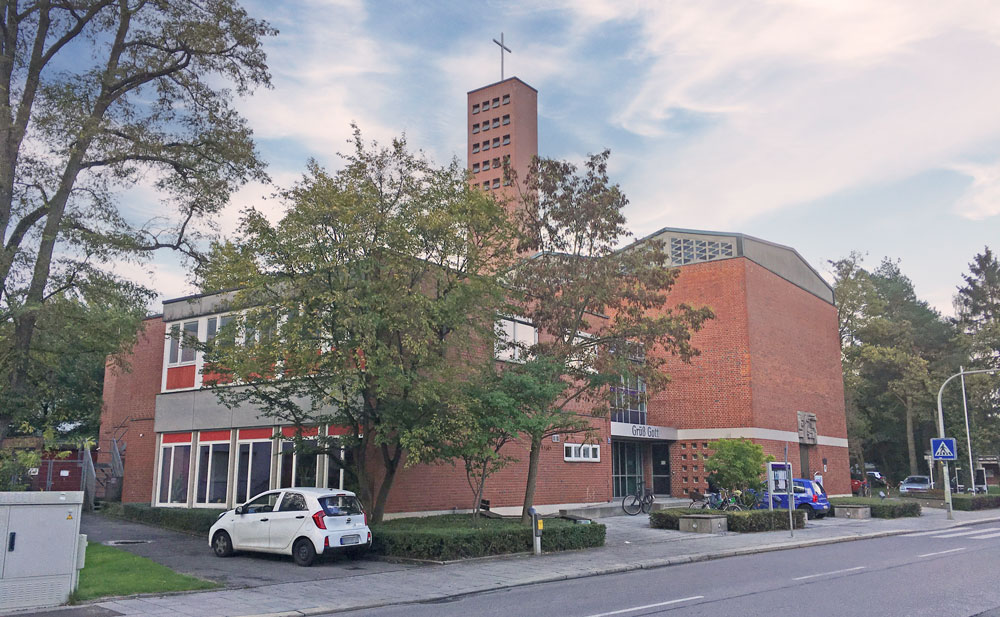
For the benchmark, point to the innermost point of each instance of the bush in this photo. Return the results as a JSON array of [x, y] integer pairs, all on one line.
[[743, 522], [456, 536], [890, 508], [190, 520], [975, 502]]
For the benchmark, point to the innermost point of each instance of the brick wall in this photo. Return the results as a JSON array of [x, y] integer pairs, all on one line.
[[129, 405]]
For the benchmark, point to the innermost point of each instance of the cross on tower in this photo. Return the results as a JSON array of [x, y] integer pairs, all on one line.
[[503, 48]]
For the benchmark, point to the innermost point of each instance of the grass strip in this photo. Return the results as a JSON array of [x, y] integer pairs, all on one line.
[[111, 571]]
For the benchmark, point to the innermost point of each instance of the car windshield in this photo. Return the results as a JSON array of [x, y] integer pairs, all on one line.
[[817, 489], [917, 480], [340, 505]]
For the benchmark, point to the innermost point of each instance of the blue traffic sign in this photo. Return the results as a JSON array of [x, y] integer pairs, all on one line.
[[944, 449]]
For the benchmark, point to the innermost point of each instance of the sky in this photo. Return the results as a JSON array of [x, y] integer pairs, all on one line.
[[830, 127]]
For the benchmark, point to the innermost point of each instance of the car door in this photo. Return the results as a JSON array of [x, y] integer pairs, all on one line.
[[287, 519], [252, 528]]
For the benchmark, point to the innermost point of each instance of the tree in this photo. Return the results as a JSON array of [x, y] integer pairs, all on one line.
[[737, 464], [601, 312], [362, 307], [99, 94]]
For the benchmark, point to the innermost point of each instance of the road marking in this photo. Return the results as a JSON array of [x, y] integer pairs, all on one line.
[[986, 537], [956, 534], [802, 578], [951, 550], [640, 608], [948, 531]]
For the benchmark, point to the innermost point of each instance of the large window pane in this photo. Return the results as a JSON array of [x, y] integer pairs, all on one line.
[[305, 465], [188, 349], [219, 474], [175, 340], [179, 474], [165, 459], [203, 462], [260, 467], [287, 461], [242, 473]]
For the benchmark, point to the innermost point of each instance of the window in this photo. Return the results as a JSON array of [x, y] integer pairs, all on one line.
[[475, 168], [298, 468], [486, 126], [582, 453], [475, 128], [175, 461], [514, 338], [486, 164], [628, 402], [496, 102], [506, 119], [496, 142], [692, 250], [475, 147], [336, 477], [496, 163], [506, 99], [253, 472], [213, 472], [496, 183], [486, 145], [506, 140], [263, 504], [293, 502], [183, 343], [496, 123], [486, 105], [475, 108], [175, 343], [340, 505], [486, 185]]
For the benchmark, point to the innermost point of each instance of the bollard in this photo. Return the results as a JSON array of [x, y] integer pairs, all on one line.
[[536, 530]]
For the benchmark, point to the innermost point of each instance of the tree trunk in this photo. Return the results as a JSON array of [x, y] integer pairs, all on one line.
[[391, 464], [529, 489], [911, 445], [481, 481]]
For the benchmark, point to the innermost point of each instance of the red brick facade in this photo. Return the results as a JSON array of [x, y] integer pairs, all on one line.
[[129, 410]]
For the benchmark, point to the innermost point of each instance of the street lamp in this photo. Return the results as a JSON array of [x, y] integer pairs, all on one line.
[[947, 476]]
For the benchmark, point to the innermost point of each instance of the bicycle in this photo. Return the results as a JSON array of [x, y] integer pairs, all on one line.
[[699, 501], [640, 500]]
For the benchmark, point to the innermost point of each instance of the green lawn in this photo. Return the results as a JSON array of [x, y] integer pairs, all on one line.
[[113, 572]]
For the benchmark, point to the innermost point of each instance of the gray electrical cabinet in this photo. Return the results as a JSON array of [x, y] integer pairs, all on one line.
[[42, 548]]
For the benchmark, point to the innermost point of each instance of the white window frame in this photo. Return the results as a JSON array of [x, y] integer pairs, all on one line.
[[159, 474], [582, 453], [179, 337], [236, 468], [295, 461], [230, 489], [505, 353]]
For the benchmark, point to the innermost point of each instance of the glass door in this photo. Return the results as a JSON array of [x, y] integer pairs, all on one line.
[[626, 467], [661, 468]]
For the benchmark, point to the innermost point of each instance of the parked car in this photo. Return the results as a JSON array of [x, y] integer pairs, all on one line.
[[858, 485], [809, 496], [915, 484], [875, 478], [300, 521]]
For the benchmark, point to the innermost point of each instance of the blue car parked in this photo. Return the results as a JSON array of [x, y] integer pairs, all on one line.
[[809, 496]]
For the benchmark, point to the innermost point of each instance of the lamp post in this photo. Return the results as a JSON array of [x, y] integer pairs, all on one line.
[[947, 477]]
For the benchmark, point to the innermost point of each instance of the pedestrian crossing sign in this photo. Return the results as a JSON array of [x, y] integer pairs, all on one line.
[[944, 449]]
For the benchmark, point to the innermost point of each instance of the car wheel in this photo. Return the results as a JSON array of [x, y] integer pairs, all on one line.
[[303, 552], [222, 544], [809, 511]]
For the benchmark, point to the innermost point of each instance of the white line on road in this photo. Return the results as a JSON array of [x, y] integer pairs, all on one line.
[[802, 578], [985, 537], [952, 550], [640, 608], [948, 531], [967, 532]]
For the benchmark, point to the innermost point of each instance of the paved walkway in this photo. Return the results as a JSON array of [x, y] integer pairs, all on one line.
[[631, 545]]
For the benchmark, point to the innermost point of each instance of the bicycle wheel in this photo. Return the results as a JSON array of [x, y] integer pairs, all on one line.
[[647, 504], [632, 505]]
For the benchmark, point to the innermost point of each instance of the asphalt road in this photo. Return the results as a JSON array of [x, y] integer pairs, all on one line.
[[953, 573]]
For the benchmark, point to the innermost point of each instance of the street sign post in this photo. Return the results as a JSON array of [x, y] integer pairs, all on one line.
[[944, 449]]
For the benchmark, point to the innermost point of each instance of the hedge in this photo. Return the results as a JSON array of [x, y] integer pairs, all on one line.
[[450, 537], [975, 502], [890, 508], [190, 520], [747, 521]]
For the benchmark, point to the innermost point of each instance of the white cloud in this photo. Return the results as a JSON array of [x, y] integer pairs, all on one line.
[[982, 198]]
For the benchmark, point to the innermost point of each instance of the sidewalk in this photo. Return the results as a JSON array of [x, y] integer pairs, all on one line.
[[631, 545]]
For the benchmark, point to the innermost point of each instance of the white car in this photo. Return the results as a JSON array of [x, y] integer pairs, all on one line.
[[301, 522]]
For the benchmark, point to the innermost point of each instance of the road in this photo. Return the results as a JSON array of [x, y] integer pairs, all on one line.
[[951, 573]]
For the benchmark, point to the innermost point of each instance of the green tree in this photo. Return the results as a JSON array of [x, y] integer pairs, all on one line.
[[363, 307], [737, 464], [601, 311], [97, 95]]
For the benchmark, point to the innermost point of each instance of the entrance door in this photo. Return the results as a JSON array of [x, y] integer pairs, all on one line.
[[661, 468], [804, 461], [626, 467]]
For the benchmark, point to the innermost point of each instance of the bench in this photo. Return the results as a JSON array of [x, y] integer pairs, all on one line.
[[703, 523], [840, 511]]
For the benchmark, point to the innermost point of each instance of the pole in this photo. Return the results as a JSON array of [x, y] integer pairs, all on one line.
[[947, 478], [788, 489], [968, 436]]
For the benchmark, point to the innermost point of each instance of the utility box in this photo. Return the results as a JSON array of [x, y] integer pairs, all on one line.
[[42, 549]]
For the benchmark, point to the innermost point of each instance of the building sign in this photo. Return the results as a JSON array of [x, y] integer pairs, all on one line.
[[807, 428], [642, 431]]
